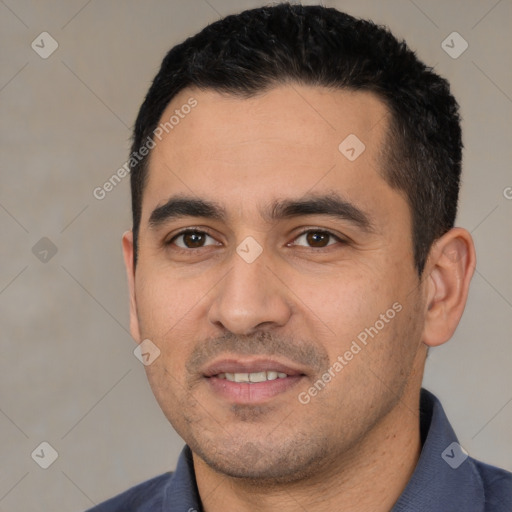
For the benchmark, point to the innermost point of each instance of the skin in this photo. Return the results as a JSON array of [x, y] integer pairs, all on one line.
[[302, 301]]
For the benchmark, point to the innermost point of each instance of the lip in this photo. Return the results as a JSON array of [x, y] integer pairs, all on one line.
[[249, 365], [244, 393]]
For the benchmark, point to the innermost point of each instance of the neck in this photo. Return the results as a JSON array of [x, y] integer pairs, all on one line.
[[370, 477]]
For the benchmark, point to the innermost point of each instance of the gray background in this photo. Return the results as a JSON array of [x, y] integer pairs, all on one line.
[[68, 375]]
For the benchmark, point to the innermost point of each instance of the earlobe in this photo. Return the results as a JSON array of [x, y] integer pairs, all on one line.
[[130, 273], [450, 268]]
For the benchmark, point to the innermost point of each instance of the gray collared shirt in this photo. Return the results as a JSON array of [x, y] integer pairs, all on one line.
[[446, 479]]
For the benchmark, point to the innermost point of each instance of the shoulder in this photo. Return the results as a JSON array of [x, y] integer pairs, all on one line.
[[497, 485], [143, 497]]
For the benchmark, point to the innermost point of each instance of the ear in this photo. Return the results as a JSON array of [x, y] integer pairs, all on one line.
[[449, 268], [130, 272]]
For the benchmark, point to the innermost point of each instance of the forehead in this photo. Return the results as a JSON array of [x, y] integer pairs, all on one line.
[[288, 141]]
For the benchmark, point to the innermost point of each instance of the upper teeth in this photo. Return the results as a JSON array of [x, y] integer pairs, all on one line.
[[252, 377]]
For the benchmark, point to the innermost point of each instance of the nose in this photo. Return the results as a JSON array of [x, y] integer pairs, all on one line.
[[249, 298]]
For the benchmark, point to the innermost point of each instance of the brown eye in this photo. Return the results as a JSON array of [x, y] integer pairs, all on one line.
[[316, 238], [191, 239]]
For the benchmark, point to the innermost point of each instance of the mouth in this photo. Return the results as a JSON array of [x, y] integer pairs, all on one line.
[[251, 381], [253, 376]]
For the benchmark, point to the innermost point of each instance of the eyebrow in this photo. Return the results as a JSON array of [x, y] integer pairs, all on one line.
[[182, 206], [331, 205]]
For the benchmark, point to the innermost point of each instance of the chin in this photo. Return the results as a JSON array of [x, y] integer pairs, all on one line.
[[264, 465]]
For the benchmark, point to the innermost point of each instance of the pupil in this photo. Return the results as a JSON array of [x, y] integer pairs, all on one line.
[[193, 239], [317, 239]]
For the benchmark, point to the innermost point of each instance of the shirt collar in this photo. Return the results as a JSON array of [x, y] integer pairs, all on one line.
[[445, 478], [181, 494]]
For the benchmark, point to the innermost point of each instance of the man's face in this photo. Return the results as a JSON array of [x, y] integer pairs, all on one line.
[[302, 258]]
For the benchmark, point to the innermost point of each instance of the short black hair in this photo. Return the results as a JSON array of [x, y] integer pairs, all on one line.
[[251, 52]]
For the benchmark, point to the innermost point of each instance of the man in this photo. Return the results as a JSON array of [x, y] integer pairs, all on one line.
[[293, 256]]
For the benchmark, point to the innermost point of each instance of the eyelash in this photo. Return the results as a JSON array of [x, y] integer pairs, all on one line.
[[304, 231]]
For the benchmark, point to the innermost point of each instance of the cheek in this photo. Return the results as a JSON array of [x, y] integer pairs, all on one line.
[[370, 321], [168, 311], [392, 332], [162, 299], [347, 303]]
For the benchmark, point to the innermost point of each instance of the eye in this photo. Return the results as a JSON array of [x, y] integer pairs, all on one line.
[[316, 238], [192, 239]]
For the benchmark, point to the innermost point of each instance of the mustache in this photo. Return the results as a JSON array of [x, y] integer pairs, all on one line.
[[298, 351]]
